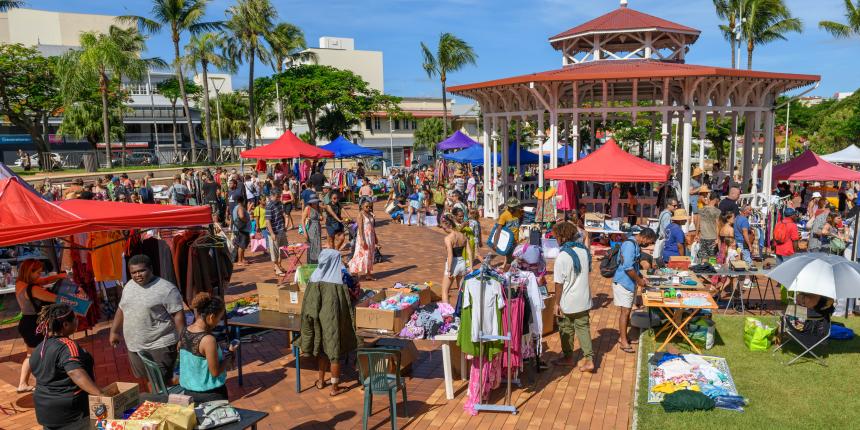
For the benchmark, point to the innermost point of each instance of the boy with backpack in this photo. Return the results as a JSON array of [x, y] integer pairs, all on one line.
[[786, 235], [624, 259], [178, 192]]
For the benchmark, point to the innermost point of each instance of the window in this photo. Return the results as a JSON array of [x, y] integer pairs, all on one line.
[[367, 123], [397, 124], [414, 124], [377, 124], [406, 124]]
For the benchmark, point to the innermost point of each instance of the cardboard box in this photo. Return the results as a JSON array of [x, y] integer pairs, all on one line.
[[408, 351], [392, 321], [594, 220], [677, 262], [268, 295], [548, 314], [118, 398], [290, 299]]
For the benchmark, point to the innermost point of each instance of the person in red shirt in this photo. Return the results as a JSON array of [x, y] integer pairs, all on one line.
[[788, 246]]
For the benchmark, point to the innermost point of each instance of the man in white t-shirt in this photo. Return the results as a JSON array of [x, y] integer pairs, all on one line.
[[571, 279]]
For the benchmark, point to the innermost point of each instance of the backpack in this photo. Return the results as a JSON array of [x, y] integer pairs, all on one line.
[[179, 196], [780, 233], [145, 194], [610, 264]]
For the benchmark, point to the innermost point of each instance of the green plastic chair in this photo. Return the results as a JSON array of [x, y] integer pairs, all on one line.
[[379, 372], [153, 374]]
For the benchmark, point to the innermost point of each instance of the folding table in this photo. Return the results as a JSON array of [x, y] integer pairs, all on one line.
[[673, 310]]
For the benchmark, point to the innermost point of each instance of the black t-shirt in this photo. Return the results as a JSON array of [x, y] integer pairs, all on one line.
[[360, 173], [210, 192], [233, 195], [58, 400], [317, 180], [728, 205]]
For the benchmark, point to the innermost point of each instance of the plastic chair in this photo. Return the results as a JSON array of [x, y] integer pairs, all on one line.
[[379, 373], [153, 374]]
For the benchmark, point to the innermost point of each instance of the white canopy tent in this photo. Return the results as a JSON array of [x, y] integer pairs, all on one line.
[[849, 155]]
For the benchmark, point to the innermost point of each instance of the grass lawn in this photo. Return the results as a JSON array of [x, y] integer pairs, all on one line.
[[804, 395]]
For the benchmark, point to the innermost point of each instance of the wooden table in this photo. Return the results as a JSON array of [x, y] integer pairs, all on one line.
[[291, 323], [673, 311]]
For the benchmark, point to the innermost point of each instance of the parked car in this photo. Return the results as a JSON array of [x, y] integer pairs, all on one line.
[[135, 159], [57, 161]]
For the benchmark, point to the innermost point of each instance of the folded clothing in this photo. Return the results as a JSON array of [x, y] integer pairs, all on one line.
[[687, 400], [430, 320], [396, 303]]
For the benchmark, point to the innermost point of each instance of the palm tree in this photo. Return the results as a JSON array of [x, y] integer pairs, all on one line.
[[202, 49], [765, 22], [170, 89], [729, 10], [852, 25], [451, 55], [179, 16], [100, 57], [10, 4], [250, 22], [288, 46]]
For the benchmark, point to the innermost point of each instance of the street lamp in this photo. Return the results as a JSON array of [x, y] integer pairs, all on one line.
[[218, 83]]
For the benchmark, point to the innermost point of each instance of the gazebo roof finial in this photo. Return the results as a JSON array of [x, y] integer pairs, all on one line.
[[623, 3]]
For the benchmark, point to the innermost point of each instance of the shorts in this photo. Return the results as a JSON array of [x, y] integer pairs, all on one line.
[[241, 239], [334, 229], [276, 241], [459, 268], [165, 358], [707, 249], [622, 297], [415, 204], [288, 207], [27, 330]]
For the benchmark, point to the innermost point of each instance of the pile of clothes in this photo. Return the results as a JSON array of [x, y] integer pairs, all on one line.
[[396, 303], [671, 373], [430, 320]]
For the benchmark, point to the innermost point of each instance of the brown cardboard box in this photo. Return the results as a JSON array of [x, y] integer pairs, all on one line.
[[392, 321], [267, 294], [408, 352], [425, 295], [290, 299], [548, 314], [118, 398]]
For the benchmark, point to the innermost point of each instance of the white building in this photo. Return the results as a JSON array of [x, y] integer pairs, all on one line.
[[340, 53]]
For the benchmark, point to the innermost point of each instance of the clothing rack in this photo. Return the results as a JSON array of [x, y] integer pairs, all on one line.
[[507, 406]]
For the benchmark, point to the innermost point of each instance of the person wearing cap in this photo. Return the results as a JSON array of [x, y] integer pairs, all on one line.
[[311, 221], [709, 217], [786, 235], [676, 244], [510, 219], [325, 197]]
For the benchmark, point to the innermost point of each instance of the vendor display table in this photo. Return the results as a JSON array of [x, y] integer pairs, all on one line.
[[248, 419], [673, 310], [291, 323], [736, 289]]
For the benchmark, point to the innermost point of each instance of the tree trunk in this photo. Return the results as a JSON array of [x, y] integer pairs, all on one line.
[[122, 123], [281, 120], [251, 122], [43, 161], [750, 48], [734, 51], [444, 109], [184, 95], [312, 127], [176, 155], [204, 65], [105, 117]]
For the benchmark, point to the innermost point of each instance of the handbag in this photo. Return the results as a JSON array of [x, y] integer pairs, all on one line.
[[390, 207], [258, 244], [215, 414], [504, 244]]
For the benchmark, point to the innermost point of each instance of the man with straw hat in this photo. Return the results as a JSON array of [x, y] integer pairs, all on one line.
[[695, 185], [675, 244]]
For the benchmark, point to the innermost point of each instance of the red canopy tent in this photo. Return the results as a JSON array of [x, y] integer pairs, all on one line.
[[26, 217], [287, 146], [810, 167], [610, 163]]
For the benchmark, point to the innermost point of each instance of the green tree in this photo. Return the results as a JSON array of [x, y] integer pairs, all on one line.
[[100, 57], [312, 88], [172, 90], [430, 132], [5, 5], [29, 93], [250, 22], [234, 115], [719, 133], [766, 21], [179, 16], [451, 55], [851, 26], [204, 49], [729, 10], [288, 45], [83, 120]]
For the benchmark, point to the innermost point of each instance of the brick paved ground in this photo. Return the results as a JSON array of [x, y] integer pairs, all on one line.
[[557, 398]]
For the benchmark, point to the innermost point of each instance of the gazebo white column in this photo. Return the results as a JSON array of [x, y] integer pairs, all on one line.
[[703, 132], [540, 142], [553, 138], [665, 127], [494, 162], [574, 137], [748, 145], [686, 156], [733, 147], [519, 136], [487, 152], [767, 159], [505, 158]]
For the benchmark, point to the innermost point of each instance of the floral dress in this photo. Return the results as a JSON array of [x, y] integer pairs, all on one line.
[[362, 259]]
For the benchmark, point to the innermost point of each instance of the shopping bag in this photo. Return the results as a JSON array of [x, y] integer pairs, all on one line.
[[504, 244], [390, 208], [258, 244], [757, 335], [701, 332], [658, 248]]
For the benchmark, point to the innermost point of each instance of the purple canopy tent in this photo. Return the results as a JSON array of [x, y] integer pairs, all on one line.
[[456, 141]]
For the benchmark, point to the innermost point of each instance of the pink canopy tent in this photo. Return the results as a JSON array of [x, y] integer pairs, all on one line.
[[810, 167]]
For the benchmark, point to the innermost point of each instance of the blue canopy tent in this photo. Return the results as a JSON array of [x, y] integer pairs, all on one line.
[[474, 155], [343, 148]]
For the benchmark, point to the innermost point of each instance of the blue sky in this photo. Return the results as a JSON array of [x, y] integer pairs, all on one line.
[[510, 36]]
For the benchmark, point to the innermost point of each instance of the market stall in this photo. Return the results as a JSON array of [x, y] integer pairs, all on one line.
[[287, 146], [343, 148], [848, 155], [810, 167], [458, 140]]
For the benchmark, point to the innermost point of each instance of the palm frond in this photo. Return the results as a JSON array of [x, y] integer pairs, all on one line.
[[5, 5], [145, 25], [430, 66]]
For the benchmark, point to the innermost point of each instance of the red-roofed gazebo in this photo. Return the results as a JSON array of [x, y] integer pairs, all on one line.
[[620, 66]]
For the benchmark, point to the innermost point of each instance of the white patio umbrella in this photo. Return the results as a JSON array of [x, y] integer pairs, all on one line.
[[827, 275]]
